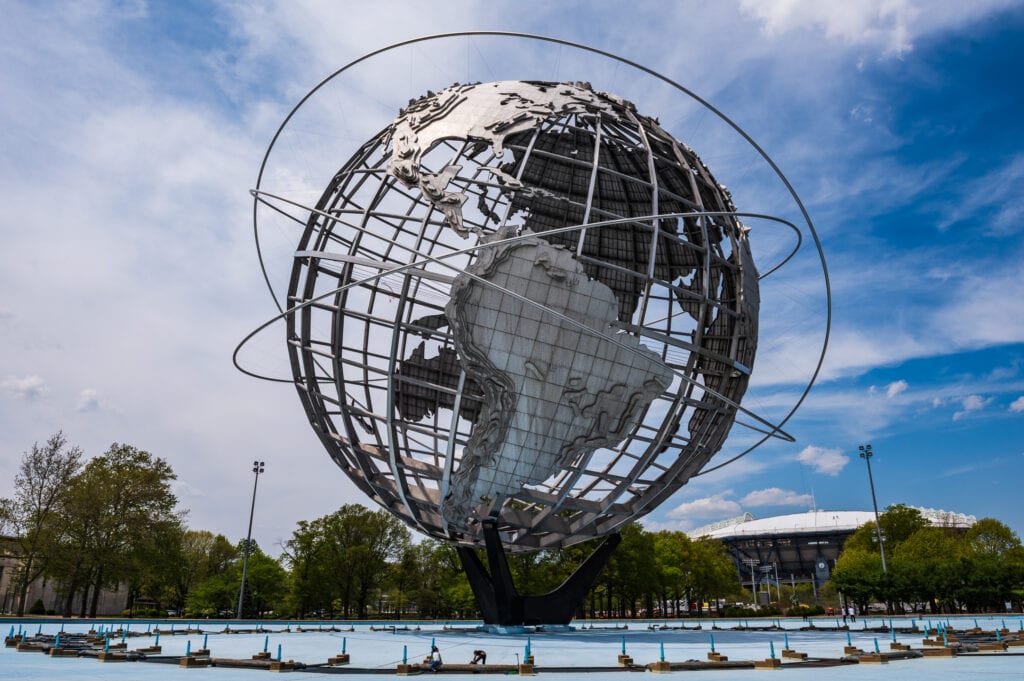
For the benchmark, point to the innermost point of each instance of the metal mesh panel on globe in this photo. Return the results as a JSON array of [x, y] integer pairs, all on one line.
[[387, 382]]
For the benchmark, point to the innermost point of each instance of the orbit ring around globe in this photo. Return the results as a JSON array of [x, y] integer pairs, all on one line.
[[523, 302]]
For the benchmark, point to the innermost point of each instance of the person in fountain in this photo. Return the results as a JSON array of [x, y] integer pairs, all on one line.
[[479, 656], [435, 659]]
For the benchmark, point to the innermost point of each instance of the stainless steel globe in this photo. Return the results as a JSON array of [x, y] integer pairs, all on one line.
[[527, 302]]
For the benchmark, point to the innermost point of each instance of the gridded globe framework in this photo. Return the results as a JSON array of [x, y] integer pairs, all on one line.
[[524, 301]]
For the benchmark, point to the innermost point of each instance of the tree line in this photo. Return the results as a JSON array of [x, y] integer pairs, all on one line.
[[931, 568], [87, 526], [113, 522]]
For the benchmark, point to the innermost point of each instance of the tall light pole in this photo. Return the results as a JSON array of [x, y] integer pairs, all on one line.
[[865, 453], [257, 468], [752, 562]]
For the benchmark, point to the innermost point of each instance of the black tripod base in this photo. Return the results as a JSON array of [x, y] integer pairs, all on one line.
[[501, 604]]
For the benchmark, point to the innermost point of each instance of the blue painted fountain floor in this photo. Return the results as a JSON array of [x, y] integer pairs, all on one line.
[[582, 648]]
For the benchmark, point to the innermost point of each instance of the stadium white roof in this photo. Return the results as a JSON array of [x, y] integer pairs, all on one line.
[[816, 521]]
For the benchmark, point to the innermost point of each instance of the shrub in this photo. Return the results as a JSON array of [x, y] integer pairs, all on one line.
[[143, 612]]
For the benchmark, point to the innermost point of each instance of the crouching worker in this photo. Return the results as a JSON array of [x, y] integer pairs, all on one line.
[[479, 656]]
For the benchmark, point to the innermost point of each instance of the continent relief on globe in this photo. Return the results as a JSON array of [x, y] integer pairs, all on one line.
[[487, 113], [539, 340]]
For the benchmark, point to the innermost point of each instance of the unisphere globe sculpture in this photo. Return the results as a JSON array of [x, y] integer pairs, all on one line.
[[524, 304]]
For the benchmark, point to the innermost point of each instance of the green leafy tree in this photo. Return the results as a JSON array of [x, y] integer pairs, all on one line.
[[933, 561], [40, 487], [673, 552], [308, 581], [153, 565], [710, 572], [429, 579], [994, 569], [113, 513], [266, 584], [214, 595], [201, 555], [898, 523], [989, 536], [340, 562], [861, 577], [858, 574], [631, 575]]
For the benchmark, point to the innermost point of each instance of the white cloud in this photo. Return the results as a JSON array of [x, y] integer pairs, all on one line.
[[986, 308], [891, 26], [971, 404], [895, 388], [1017, 405], [26, 388], [877, 22], [995, 192], [775, 496], [183, 489], [823, 460], [88, 400], [862, 112], [708, 507]]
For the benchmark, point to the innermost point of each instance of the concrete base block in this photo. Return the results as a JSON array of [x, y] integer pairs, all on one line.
[[852, 650], [407, 669], [119, 646], [938, 652], [282, 666], [261, 656], [995, 645], [63, 652], [660, 667], [526, 669], [874, 658], [29, 647], [112, 657], [343, 658], [625, 660], [1016, 643], [150, 649], [898, 646], [793, 655], [193, 661], [11, 641], [769, 663], [717, 657]]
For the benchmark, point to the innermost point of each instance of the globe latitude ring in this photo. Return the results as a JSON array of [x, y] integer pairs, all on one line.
[[540, 378]]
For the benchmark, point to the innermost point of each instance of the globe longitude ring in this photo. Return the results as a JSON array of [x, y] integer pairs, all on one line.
[[521, 302]]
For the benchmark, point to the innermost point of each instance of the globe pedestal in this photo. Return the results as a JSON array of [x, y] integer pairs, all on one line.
[[500, 602]]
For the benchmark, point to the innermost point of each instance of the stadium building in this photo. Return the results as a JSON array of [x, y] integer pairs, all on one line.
[[799, 547]]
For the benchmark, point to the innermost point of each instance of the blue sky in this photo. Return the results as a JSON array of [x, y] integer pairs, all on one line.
[[132, 133]]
